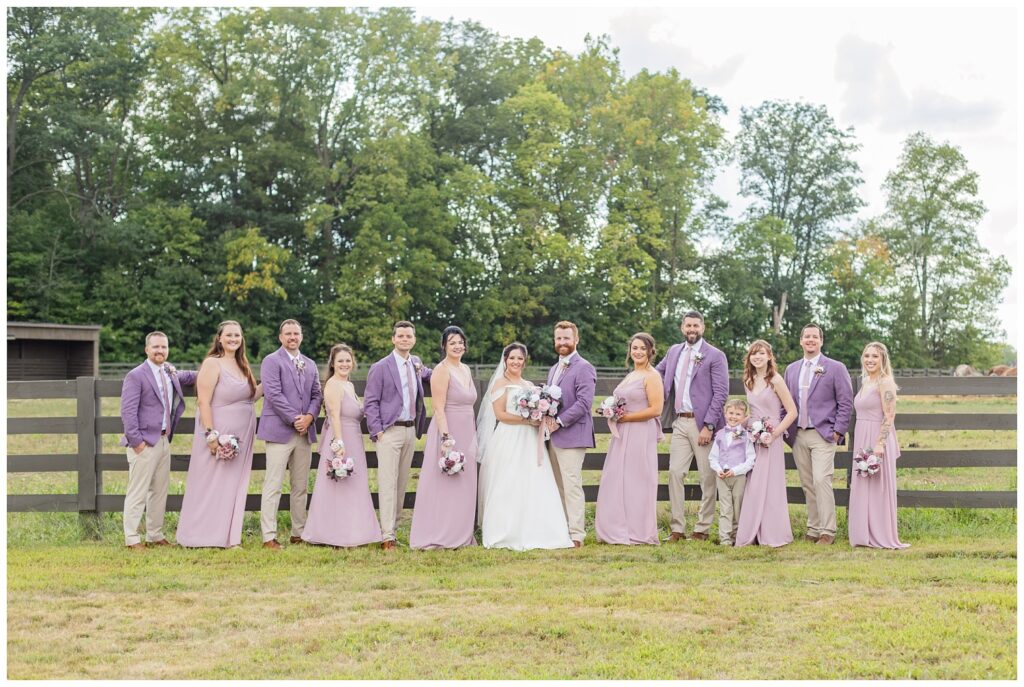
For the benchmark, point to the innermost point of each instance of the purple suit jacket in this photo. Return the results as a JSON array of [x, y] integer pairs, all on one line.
[[382, 400], [286, 395], [578, 383], [709, 387], [829, 399], [142, 412]]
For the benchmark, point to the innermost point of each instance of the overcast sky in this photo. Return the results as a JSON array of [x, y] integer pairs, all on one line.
[[951, 72]]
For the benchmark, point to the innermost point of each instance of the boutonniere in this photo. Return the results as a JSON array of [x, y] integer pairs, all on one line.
[[416, 365], [170, 370], [819, 370], [737, 433], [300, 365], [698, 358], [565, 365]]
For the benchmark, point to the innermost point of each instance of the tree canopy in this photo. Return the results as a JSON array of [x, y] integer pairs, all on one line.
[[352, 167]]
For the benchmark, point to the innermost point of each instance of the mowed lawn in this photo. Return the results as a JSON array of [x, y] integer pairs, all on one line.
[[945, 608]]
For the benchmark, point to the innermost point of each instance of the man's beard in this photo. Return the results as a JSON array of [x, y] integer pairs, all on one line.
[[692, 338], [571, 348]]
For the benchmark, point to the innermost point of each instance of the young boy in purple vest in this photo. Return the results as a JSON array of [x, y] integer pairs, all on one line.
[[732, 457]]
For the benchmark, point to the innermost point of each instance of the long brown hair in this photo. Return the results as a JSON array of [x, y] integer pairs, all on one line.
[[217, 351], [748, 369]]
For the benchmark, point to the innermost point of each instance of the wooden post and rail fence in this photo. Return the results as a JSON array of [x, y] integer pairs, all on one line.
[[98, 451]]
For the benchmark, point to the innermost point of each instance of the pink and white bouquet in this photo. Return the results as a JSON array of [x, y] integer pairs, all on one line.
[[451, 462], [612, 408], [340, 467], [866, 463], [534, 404], [761, 431], [227, 447]]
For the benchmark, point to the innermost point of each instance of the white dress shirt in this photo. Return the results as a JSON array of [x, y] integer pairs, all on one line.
[[806, 375], [401, 363], [168, 399], [685, 395]]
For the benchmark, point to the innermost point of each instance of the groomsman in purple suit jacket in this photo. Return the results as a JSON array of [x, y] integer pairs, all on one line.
[[823, 393], [291, 403], [151, 406], [395, 418], [572, 431], [696, 377]]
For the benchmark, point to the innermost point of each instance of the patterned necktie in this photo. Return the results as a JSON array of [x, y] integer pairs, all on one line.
[[166, 399], [411, 409], [681, 379], [805, 384]]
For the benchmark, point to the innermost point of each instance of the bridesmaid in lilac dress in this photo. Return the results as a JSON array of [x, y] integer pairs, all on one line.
[[341, 512], [764, 517], [872, 512], [215, 490], [627, 500], [446, 504]]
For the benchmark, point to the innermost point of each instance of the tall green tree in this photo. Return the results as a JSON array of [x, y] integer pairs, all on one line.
[[950, 283]]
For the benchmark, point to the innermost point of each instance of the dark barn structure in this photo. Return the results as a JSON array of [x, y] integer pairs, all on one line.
[[52, 351]]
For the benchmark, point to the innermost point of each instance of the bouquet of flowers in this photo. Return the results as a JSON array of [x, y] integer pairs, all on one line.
[[866, 463], [534, 404], [761, 431], [612, 408], [451, 461], [227, 447], [340, 467]]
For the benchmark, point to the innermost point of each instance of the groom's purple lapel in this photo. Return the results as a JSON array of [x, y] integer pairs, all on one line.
[[393, 371], [152, 382]]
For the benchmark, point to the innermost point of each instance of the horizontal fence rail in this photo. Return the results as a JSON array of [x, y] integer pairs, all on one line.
[[93, 429]]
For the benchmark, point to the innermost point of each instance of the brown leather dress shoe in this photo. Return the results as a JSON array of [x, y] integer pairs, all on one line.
[[272, 544], [811, 538], [135, 547], [676, 536], [160, 542], [577, 544], [388, 545], [295, 540], [826, 539], [700, 536]]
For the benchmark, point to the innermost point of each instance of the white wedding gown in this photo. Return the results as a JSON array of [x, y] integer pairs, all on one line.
[[521, 506]]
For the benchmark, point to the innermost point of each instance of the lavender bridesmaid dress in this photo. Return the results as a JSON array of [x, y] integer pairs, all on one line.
[[765, 512], [341, 512], [215, 490], [446, 504], [872, 513], [627, 500]]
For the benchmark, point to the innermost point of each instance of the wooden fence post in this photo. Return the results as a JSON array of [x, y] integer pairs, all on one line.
[[849, 437], [88, 448]]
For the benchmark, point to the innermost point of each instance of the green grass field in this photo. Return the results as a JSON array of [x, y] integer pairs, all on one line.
[[943, 609]]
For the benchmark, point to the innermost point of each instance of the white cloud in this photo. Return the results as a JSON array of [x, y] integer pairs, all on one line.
[[874, 94]]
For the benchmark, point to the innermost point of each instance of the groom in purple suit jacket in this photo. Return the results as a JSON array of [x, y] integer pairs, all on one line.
[[823, 393], [291, 403], [572, 432], [395, 417], [696, 378], [151, 406]]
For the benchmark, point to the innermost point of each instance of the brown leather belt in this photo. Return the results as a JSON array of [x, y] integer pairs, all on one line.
[[163, 432], [404, 423], [685, 415]]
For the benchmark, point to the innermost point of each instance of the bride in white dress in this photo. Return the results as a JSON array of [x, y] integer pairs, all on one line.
[[518, 495]]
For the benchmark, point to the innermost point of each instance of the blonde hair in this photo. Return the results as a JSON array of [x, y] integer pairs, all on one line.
[[737, 403], [886, 366]]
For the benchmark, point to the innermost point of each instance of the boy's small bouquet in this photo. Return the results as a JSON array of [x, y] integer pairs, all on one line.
[[866, 463]]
